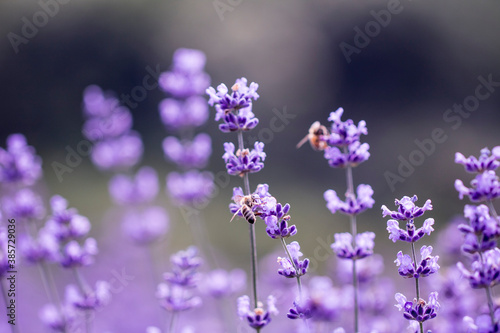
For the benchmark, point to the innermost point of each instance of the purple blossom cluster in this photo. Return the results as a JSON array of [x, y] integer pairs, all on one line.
[[19, 163], [183, 112], [481, 233], [408, 266], [109, 127]]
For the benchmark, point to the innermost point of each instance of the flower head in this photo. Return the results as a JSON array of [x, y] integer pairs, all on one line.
[[353, 205], [142, 188], [428, 264], [65, 223], [481, 164], [409, 235], [484, 187], [220, 283], [344, 133], [343, 246], [146, 226], [177, 114], [91, 299], [191, 188], [76, 255], [24, 204], [418, 310], [407, 210], [484, 273], [120, 153], [296, 267], [19, 163], [244, 161], [235, 108], [188, 154]]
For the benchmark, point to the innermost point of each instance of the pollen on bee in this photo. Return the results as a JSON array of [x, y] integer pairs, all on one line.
[[243, 152]]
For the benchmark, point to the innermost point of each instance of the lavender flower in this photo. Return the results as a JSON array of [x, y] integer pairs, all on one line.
[[482, 231], [420, 310], [19, 163], [140, 189], [485, 187], [176, 294], [484, 273], [356, 153], [276, 219], [428, 264], [187, 77], [188, 154], [344, 133], [191, 188], [220, 283], [191, 112], [24, 204], [76, 255], [240, 101], [146, 226], [258, 317], [352, 205], [344, 249], [483, 323], [481, 164], [245, 160], [44, 248], [119, 153], [55, 320], [410, 234], [65, 223], [407, 210], [89, 299], [297, 267]]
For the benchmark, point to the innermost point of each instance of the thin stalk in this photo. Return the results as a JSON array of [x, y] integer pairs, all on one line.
[[491, 307], [493, 212], [253, 244], [171, 326], [86, 290], [294, 266], [417, 289], [350, 196]]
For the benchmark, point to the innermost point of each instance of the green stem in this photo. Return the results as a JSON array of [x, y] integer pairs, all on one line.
[[86, 290], [416, 282], [294, 266], [350, 195]]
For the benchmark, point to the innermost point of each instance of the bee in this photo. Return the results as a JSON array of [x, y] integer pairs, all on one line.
[[315, 137], [247, 202]]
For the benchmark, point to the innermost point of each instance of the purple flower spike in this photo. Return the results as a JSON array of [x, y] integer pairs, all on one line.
[[75, 255], [191, 188], [19, 163], [483, 323], [24, 204], [175, 298], [192, 112], [141, 189], [428, 265], [343, 246], [147, 226], [356, 153], [239, 101], [420, 310], [90, 299], [344, 133], [481, 228], [296, 268], [258, 317], [245, 160], [52, 318], [44, 248], [118, 154], [481, 164], [187, 77], [409, 235], [485, 273], [352, 205], [65, 223], [485, 187], [407, 210], [188, 154], [220, 283]]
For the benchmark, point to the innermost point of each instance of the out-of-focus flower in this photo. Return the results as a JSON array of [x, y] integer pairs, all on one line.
[[191, 112], [483, 323], [484, 273], [24, 204], [484, 187], [76, 255], [19, 163], [191, 188], [353, 205], [65, 223], [89, 299], [188, 154], [140, 189], [118, 153], [343, 246], [55, 320], [145, 226], [45, 247], [220, 283]]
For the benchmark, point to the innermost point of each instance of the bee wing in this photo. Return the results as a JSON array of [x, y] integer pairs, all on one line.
[[304, 140], [237, 199]]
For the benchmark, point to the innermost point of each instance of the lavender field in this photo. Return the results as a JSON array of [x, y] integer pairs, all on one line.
[[234, 166]]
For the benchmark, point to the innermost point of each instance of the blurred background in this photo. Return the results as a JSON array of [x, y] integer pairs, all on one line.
[[309, 58]]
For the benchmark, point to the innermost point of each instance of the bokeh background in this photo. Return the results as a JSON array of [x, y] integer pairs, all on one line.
[[426, 59]]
